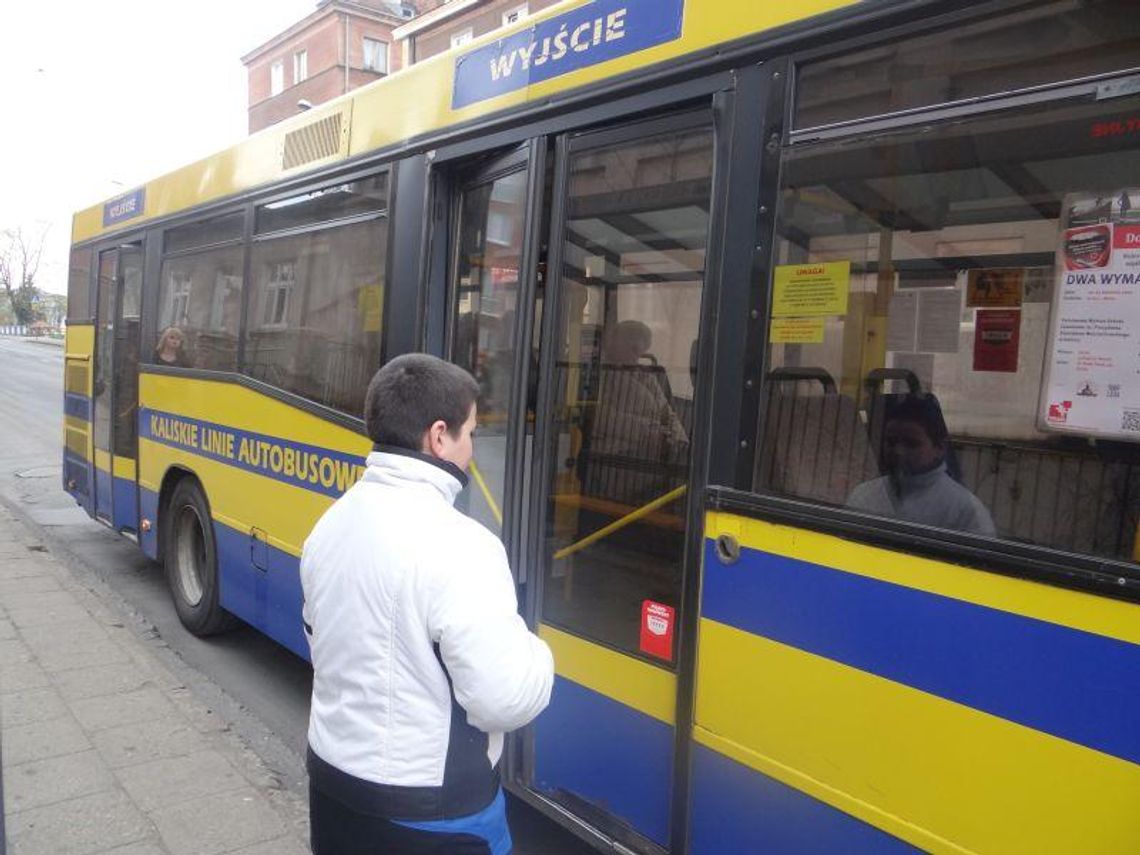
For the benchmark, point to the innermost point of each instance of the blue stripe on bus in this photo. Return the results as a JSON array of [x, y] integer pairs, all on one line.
[[607, 754], [148, 510], [737, 809], [103, 491], [77, 406], [268, 599], [310, 467], [1073, 684], [79, 469], [126, 509]]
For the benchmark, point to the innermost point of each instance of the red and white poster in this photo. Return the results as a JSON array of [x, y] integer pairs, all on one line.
[[997, 336], [1092, 378], [657, 625]]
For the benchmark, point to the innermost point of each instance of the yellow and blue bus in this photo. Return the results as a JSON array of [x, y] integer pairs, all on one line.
[[809, 413]]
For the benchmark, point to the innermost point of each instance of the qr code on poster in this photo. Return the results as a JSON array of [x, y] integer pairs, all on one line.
[[1130, 421]]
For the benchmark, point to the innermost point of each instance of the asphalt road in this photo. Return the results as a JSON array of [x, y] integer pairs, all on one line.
[[256, 685]]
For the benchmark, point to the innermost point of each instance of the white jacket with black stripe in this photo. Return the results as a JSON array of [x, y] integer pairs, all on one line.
[[421, 661]]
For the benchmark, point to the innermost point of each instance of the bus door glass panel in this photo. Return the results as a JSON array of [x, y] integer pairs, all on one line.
[[102, 392], [630, 286], [126, 387], [486, 287]]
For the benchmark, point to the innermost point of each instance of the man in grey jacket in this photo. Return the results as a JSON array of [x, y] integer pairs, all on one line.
[[421, 662]]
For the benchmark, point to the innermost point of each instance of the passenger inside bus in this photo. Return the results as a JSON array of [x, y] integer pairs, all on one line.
[[171, 348], [635, 423], [920, 483]]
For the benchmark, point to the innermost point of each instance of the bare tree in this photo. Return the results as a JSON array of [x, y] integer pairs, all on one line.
[[20, 254]]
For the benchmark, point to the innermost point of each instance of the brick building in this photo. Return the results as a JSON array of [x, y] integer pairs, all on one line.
[[343, 44], [455, 22]]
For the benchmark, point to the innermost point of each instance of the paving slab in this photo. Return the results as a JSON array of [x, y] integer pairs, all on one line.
[[24, 567], [280, 846], [170, 781], [69, 654], [107, 711], [31, 706], [43, 739], [218, 824], [20, 677], [27, 585], [132, 744], [144, 847], [80, 630], [50, 616], [93, 823], [115, 678], [57, 779], [12, 652]]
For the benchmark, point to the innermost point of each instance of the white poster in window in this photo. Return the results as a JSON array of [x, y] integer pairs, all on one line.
[[1092, 377], [939, 320], [902, 321]]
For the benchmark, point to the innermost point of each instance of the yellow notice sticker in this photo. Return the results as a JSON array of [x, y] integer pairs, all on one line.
[[811, 289], [796, 331], [370, 305], [1000, 288]]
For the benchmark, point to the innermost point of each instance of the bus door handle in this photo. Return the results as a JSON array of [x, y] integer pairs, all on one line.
[[258, 549]]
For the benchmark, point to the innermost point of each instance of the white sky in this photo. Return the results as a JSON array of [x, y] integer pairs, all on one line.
[[103, 96]]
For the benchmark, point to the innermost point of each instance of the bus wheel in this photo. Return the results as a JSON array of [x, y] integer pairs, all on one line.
[[190, 557]]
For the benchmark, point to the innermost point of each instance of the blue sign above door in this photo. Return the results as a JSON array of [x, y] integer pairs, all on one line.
[[592, 34]]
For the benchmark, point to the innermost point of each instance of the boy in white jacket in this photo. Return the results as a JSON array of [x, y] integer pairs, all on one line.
[[420, 659]]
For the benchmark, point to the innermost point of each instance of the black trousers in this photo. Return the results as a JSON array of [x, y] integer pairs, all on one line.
[[335, 829]]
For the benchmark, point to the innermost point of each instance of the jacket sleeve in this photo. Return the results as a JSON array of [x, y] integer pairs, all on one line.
[[501, 672]]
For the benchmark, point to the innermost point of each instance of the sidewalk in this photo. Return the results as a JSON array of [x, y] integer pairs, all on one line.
[[104, 749]]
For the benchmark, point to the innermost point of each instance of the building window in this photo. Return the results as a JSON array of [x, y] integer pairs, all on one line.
[[375, 56], [462, 37], [513, 16], [278, 288], [181, 285], [300, 66], [277, 78]]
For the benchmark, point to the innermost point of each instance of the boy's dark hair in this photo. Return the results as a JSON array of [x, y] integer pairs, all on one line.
[[411, 393]]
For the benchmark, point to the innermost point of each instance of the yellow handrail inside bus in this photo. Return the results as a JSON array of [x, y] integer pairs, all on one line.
[[486, 491], [622, 522]]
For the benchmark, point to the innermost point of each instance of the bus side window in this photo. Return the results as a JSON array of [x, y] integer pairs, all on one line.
[[316, 296], [937, 327], [200, 295]]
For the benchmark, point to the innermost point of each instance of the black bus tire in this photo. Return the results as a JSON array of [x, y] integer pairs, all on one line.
[[190, 558]]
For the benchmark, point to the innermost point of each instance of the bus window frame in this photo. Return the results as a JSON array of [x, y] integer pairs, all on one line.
[[529, 159], [88, 316], [934, 111], [1084, 572]]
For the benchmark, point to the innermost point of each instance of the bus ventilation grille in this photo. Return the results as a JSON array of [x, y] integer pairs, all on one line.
[[316, 141]]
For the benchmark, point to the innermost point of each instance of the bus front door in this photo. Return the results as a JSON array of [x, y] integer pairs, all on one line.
[[115, 393], [585, 439], [616, 432]]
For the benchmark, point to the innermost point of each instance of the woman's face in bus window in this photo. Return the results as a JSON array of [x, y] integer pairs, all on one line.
[[908, 448]]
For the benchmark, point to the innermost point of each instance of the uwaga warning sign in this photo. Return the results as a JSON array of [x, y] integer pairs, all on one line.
[[1092, 378]]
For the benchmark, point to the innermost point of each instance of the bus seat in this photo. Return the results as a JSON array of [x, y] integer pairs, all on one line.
[[820, 448]]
